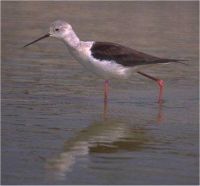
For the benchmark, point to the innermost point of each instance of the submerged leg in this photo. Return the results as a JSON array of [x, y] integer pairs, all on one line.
[[106, 90], [160, 83]]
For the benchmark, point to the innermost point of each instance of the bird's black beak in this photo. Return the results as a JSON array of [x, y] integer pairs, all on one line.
[[47, 35]]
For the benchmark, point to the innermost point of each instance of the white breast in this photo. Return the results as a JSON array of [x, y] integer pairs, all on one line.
[[103, 68]]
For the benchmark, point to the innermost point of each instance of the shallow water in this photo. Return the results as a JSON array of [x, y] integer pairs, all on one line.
[[55, 126]]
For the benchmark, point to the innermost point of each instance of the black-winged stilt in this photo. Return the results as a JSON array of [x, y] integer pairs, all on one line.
[[108, 60]]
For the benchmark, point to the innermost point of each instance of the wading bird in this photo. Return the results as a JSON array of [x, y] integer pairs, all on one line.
[[108, 60]]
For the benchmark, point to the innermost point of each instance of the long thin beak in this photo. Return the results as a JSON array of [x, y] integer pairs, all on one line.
[[47, 35]]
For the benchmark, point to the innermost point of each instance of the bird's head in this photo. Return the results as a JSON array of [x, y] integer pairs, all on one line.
[[58, 29]]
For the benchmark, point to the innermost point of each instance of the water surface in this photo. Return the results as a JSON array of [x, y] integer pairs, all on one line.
[[55, 128]]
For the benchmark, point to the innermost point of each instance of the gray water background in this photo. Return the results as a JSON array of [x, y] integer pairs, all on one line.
[[53, 124]]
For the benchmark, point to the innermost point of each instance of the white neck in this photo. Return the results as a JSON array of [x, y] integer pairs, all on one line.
[[71, 39]]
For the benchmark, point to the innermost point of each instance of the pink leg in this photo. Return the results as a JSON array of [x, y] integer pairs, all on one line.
[[160, 84], [106, 90], [160, 117]]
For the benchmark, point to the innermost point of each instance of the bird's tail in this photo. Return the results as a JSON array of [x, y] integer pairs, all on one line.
[[174, 61]]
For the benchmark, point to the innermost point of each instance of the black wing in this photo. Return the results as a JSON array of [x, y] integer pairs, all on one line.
[[124, 55]]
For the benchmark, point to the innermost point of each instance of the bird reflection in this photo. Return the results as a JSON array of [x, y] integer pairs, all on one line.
[[160, 117], [105, 136], [105, 109]]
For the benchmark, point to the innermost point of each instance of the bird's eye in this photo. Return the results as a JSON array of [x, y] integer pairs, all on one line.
[[57, 29]]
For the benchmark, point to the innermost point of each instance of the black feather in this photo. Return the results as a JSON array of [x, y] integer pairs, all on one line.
[[125, 56]]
